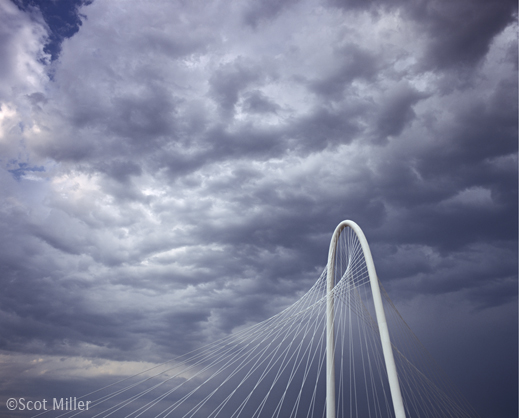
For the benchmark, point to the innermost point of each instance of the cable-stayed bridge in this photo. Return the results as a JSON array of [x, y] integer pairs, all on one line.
[[342, 350]]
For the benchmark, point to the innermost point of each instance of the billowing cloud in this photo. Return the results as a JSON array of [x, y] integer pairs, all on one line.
[[174, 171]]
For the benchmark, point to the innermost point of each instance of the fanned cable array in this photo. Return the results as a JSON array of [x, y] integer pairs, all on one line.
[[276, 369]]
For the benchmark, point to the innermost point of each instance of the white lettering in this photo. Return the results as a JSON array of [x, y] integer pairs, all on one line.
[[56, 405]]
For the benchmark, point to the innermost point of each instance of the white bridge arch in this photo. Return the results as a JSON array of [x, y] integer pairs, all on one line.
[[329, 355], [392, 375]]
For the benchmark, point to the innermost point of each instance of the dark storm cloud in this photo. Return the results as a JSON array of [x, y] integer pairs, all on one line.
[[396, 110], [267, 10], [230, 80], [459, 32], [182, 173], [324, 127], [139, 120], [463, 30], [257, 102], [352, 63], [122, 170]]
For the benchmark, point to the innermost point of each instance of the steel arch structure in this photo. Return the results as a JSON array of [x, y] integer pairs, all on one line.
[[392, 375]]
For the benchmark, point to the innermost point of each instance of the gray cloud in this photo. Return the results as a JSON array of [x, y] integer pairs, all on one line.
[[257, 102], [396, 110], [182, 172], [255, 13], [459, 32], [352, 62]]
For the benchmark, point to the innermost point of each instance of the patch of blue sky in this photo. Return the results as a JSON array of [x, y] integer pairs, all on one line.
[[23, 169]]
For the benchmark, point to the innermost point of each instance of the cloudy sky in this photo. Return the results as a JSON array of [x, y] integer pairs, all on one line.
[[172, 170]]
